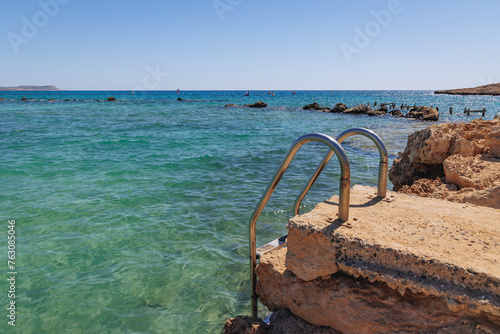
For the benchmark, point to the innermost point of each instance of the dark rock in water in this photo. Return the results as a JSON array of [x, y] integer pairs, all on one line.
[[98, 100], [24, 99], [180, 99], [377, 112], [111, 98], [244, 324], [312, 106], [339, 108], [397, 113], [383, 109], [359, 110], [497, 116], [2, 99], [423, 113], [258, 104], [231, 105], [316, 106], [67, 100]]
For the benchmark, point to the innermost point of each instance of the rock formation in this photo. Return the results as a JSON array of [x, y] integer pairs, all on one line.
[[459, 162], [423, 113], [491, 89], [316, 106], [111, 98], [258, 104], [339, 108], [397, 113], [358, 110], [378, 112], [394, 268]]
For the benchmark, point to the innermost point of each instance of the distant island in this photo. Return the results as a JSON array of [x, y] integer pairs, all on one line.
[[491, 89], [29, 88]]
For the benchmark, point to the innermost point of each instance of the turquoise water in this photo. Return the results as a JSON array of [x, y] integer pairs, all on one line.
[[132, 216]]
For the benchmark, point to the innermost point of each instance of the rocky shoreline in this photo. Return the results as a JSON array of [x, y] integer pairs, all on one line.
[[423, 260], [491, 89], [417, 112]]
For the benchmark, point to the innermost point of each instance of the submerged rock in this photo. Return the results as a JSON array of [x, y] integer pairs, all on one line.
[[231, 105]]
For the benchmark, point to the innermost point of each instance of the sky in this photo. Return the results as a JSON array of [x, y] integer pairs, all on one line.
[[250, 44]]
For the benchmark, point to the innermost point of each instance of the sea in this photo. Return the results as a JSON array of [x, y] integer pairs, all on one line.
[[132, 216]]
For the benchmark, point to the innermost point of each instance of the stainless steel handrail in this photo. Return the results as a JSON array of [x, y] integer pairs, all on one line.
[[344, 192], [382, 171]]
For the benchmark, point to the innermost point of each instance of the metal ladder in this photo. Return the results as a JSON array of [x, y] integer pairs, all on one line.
[[345, 187]]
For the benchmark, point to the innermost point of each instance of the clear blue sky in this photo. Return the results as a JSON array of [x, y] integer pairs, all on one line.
[[249, 44]]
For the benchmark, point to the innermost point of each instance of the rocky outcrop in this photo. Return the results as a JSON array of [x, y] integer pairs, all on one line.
[[258, 104], [231, 105], [378, 112], [492, 140], [358, 110], [423, 113], [316, 106], [393, 268], [339, 108], [397, 113], [491, 89], [452, 162], [111, 98]]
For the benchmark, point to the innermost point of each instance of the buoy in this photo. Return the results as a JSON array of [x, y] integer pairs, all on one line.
[[294, 92]]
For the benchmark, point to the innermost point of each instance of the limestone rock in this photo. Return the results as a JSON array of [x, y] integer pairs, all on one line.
[[492, 140], [354, 305], [423, 113], [231, 105], [258, 104], [427, 149], [435, 188], [339, 108], [303, 260], [479, 172], [359, 110]]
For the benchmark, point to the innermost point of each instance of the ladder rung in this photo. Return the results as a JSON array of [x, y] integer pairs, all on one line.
[[276, 243]]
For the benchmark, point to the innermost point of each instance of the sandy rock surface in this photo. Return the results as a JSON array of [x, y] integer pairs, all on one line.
[[464, 156]]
